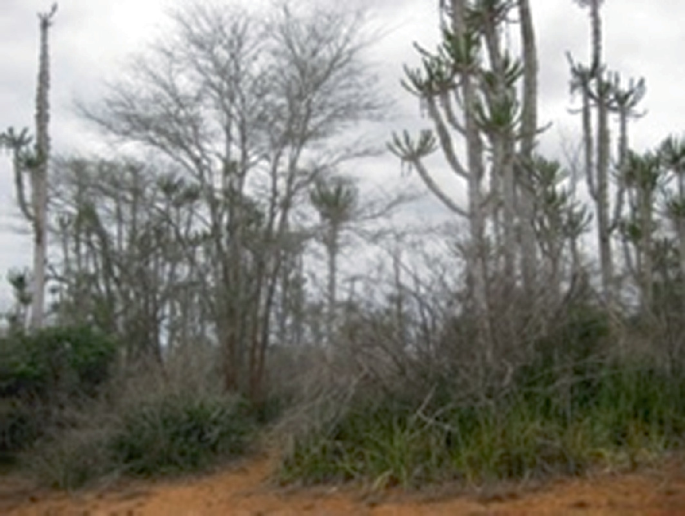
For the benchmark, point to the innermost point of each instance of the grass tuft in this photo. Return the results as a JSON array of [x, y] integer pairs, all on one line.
[[555, 422], [181, 433]]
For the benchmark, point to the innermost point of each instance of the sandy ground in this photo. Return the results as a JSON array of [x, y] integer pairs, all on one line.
[[246, 491]]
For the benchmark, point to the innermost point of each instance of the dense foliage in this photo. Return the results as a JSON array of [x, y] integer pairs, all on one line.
[[181, 433], [45, 370]]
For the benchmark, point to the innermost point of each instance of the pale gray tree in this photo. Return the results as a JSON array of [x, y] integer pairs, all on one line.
[[481, 98], [35, 164], [603, 93], [249, 108]]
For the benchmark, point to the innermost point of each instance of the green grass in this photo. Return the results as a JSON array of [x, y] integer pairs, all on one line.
[[560, 422]]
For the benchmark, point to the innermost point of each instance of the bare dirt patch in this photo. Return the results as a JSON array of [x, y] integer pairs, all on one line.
[[246, 491]]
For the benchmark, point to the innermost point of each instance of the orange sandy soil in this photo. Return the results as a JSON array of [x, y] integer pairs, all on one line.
[[247, 491]]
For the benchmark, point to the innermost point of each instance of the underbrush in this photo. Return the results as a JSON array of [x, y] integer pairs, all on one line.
[[167, 434], [42, 372], [549, 421], [181, 433], [70, 417], [70, 458]]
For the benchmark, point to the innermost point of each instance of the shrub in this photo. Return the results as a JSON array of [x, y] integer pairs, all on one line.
[[20, 425], [164, 434], [40, 372], [70, 459], [179, 433], [55, 362], [556, 422]]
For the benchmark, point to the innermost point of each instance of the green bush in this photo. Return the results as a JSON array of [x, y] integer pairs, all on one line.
[[20, 425], [55, 362], [179, 433], [555, 422], [50, 411], [41, 372]]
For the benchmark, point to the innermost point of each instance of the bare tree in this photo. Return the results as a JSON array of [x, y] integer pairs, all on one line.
[[122, 268], [246, 107]]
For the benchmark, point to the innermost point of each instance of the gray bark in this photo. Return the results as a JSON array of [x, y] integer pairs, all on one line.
[[474, 159], [529, 128], [39, 176]]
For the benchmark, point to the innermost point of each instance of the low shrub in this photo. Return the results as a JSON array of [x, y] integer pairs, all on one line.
[[20, 426], [54, 362], [181, 433], [41, 373], [71, 459], [164, 434], [614, 413]]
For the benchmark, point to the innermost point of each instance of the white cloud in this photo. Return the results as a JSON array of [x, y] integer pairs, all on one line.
[[92, 38]]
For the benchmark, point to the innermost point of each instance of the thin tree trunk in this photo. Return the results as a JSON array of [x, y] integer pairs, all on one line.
[[647, 253], [474, 149], [603, 157], [332, 249], [39, 176], [681, 229], [529, 123], [502, 144], [603, 221], [596, 21]]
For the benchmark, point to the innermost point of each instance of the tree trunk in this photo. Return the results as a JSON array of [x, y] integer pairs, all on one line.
[[331, 294], [39, 176], [647, 253], [681, 230], [603, 219], [529, 123], [477, 258]]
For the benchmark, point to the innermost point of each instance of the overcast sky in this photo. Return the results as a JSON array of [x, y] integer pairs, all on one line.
[[92, 38]]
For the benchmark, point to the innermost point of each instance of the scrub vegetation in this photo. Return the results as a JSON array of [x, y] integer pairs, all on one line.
[[226, 281]]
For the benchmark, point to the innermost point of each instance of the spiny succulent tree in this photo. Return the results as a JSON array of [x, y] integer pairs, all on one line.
[[602, 92], [642, 177], [651, 221], [336, 200], [482, 99], [560, 221], [672, 153], [35, 163]]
